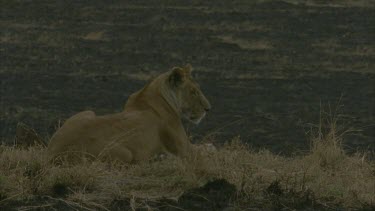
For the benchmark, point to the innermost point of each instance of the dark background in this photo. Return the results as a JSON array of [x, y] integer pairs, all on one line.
[[268, 67]]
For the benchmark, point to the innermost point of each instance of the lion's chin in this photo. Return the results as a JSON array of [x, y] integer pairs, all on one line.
[[197, 120]]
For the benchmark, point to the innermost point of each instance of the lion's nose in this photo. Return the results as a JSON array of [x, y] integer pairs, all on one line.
[[207, 109]]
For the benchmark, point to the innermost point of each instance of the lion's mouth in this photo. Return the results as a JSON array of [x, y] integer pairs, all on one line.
[[197, 119]]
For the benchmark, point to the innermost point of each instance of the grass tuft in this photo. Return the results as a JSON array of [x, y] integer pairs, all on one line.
[[326, 177]]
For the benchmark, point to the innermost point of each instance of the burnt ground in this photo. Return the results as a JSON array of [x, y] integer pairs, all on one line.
[[215, 195], [266, 67]]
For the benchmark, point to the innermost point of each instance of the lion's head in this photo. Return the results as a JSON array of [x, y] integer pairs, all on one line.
[[191, 102]]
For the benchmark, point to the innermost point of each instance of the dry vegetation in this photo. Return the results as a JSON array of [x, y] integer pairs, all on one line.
[[334, 3], [324, 177]]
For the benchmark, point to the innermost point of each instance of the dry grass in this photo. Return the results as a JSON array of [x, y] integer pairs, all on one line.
[[325, 175], [96, 36], [246, 44], [334, 3]]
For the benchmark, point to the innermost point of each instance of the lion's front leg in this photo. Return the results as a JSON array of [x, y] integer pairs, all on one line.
[[183, 148], [177, 147], [119, 153], [176, 144]]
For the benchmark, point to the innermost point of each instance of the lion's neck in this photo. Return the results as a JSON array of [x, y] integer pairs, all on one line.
[[158, 97], [170, 98]]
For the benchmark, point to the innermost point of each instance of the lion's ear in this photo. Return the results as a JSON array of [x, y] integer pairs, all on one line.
[[188, 68], [177, 76]]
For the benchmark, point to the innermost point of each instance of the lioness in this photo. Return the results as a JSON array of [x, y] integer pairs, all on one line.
[[149, 124]]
